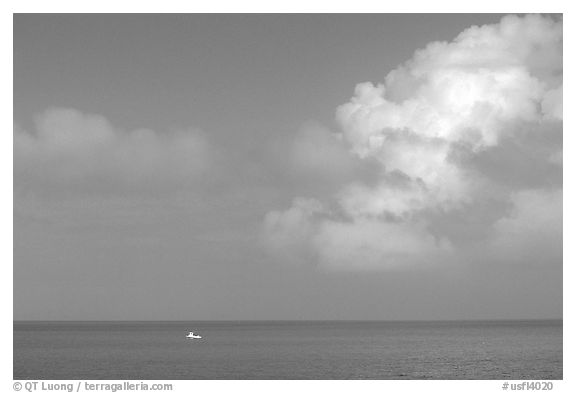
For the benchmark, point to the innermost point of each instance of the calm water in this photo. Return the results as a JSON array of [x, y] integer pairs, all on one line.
[[289, 350]]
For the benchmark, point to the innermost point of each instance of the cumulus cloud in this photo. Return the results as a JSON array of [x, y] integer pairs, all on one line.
[[70, 151], [478, 118]]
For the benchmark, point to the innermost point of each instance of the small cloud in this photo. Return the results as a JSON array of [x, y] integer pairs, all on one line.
[[70, 151]]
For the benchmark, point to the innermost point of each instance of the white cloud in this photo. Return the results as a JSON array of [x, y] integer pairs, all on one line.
[[71, 151], [358, 200], [490, 86]]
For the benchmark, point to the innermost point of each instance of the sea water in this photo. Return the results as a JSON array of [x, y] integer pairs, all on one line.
[[289, 350]]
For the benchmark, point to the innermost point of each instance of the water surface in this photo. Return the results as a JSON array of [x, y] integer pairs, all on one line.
[[289, 350]]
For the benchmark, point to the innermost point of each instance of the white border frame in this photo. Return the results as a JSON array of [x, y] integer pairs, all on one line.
[[293, 6]]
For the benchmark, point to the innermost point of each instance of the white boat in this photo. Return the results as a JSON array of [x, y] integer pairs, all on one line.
[[191, 335]]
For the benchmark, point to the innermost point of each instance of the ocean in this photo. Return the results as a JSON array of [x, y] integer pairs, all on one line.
[[289, 350]]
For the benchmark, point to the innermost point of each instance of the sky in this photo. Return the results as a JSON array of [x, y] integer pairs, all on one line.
[[279, 167]]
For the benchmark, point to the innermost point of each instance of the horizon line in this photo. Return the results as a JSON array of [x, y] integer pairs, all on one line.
[[293, 320]]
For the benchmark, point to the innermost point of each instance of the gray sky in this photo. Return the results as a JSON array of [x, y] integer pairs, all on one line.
[[287, 167]]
